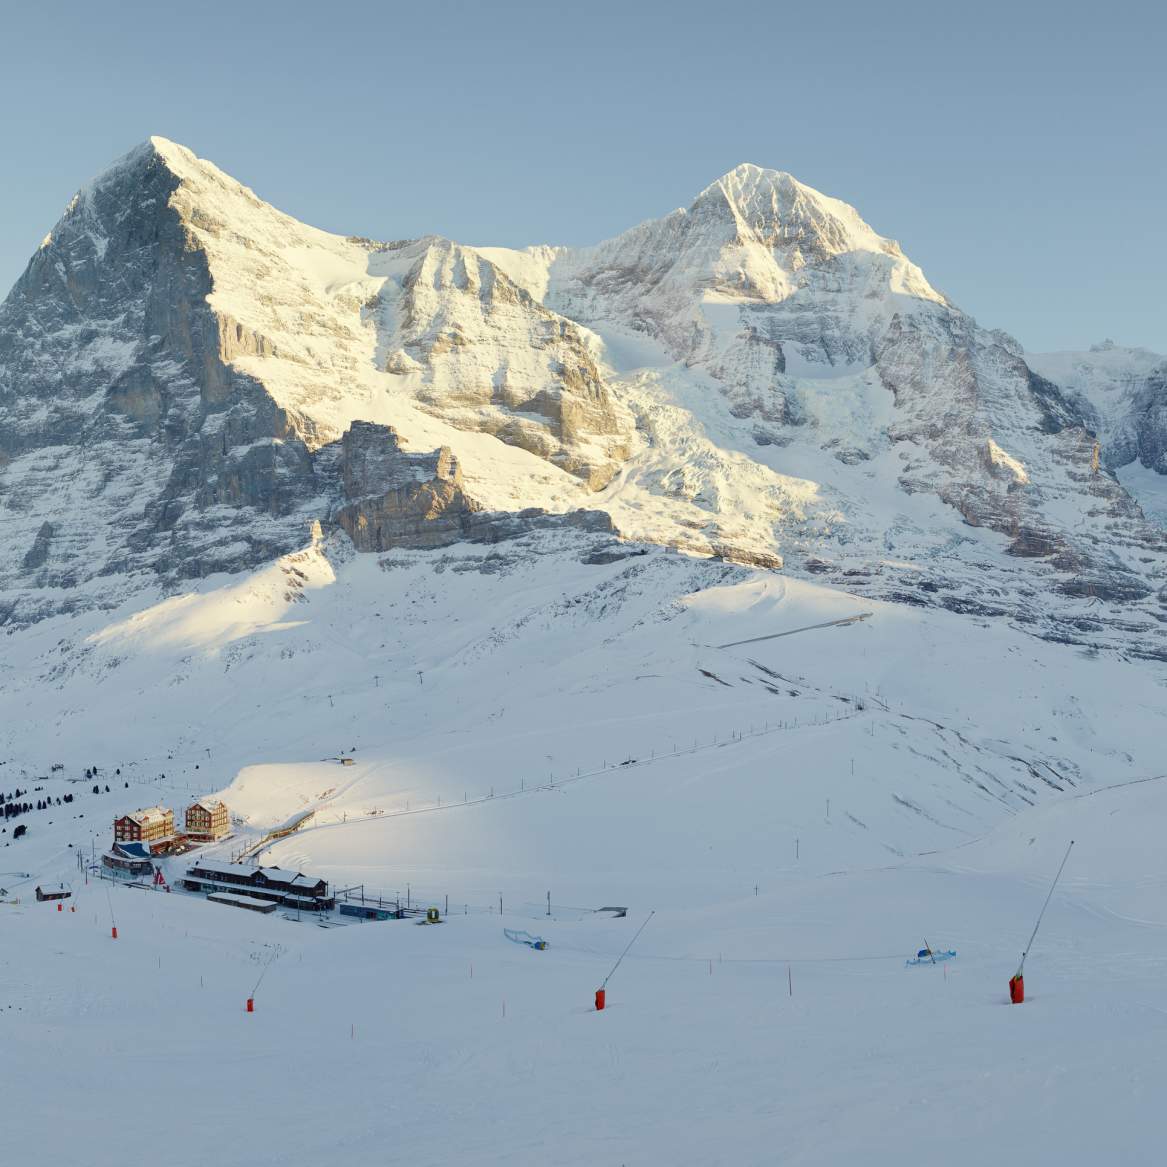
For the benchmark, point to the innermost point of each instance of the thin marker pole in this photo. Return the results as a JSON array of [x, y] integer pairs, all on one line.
[[1033, 935], [263, 973], [625, 952]]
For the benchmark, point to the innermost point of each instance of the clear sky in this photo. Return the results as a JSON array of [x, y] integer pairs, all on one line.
[[1017, 151]]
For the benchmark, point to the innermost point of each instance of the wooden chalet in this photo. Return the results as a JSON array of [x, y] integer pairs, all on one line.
[[55, 891]]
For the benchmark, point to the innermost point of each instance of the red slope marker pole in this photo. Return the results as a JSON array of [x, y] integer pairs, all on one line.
[[1017, 980]]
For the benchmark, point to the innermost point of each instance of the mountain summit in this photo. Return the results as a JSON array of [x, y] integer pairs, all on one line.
[[774, 210], [759, 376]]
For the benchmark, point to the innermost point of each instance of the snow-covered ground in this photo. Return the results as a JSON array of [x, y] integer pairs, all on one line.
[[800, 813], [1148, 487]]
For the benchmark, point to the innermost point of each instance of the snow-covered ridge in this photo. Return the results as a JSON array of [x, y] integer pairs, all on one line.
[[760, 375], [1123, 394], [758, 228]]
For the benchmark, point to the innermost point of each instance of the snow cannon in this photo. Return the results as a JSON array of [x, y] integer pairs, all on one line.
[[1017, 980], [601, 999]]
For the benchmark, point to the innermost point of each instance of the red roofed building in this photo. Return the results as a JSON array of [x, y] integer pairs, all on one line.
[[151, 825]]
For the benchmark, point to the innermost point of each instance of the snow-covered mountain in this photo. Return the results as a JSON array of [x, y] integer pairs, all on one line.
[[760, 376], [1122, 395], [425, 548]]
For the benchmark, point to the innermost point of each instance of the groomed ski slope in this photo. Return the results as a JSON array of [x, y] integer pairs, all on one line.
[[378, 1043], [388, 1042]]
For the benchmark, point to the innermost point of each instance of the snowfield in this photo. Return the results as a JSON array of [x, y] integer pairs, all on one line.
[[578, 713], [799, 812]]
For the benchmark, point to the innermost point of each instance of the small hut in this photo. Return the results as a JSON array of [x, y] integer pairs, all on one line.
[[55, 891]]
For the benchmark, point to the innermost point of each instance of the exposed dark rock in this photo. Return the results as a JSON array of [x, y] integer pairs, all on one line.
[[39, 551], [399, 499]]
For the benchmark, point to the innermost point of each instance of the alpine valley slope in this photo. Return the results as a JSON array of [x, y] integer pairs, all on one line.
[[800, 812], [268, 497], [760, 376]]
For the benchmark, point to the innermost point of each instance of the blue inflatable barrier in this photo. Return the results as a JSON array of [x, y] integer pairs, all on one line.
[[931, 956], [535, 942]]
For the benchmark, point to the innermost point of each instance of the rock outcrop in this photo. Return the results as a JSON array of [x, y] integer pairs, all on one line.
[[490, 358], [128, 442], [399, 499]]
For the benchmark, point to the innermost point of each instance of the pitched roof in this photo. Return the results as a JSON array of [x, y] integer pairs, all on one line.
[[147, 814], [208, 804], [292, 879], [131, 850], [211, 867]]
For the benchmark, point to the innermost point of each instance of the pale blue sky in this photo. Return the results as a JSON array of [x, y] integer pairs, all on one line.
[[1016, 150]]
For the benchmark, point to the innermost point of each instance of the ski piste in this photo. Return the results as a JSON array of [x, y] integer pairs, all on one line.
[[924, 956]]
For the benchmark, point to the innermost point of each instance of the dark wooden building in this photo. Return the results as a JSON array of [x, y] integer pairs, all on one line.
[[55, 891], [293, 889]]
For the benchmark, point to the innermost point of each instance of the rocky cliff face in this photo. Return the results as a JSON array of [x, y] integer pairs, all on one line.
[[489, 357], [179, 361], [1122, 395], [189, 378], [129, 441], [837, 361], [397, 499]]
